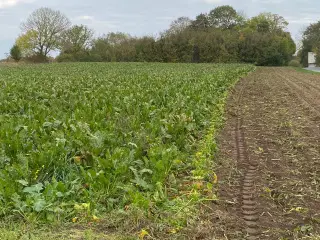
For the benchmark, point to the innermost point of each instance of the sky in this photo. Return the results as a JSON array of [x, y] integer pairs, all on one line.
[[146, 17]]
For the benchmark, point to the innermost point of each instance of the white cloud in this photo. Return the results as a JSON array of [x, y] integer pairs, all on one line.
[[11, 3], [267, 1], [302, 20], [85, 17], [165, 18], [100, 26], [212, 1]]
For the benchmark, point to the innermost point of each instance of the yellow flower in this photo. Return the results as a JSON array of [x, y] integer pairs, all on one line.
[[95, 218], [299, 210], [74, 220], [198, 185], [177, 161], [36, 174], [267, 190], [77, 207], [215, 178], [86, 205], [199, 154], [77, 160], [143, 233]]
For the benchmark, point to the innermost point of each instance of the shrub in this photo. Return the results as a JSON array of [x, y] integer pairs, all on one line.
[[92, 58], [79, 57], [15, 53], [37, 58], [66, 57], [294, 63]]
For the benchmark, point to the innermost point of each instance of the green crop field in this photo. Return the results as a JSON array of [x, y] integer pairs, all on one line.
[[79, 141]]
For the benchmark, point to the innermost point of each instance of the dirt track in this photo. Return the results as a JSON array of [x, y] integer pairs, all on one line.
[[269, 163]]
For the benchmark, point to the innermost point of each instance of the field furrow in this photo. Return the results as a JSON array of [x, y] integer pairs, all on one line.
[[281, 130]]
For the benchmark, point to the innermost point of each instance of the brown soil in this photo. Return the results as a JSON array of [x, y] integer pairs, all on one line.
[[269, 160]]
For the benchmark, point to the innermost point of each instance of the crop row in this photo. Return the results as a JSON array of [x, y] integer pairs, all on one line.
[[77, 140]]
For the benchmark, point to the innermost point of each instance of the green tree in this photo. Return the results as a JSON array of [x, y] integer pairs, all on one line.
[[146, 50], [77, 38], [101, 47], [222, 36], [15, 53], [312, 33], [307, 47], [267, 22], [310, 43], [116, 47], [201, 22], [267, 49], [49, 25], [225, 17], [27, 43]]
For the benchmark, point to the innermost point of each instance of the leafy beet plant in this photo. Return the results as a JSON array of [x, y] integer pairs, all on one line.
[[79, 140]]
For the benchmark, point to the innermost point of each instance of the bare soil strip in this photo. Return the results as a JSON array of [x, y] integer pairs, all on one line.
[[269, 161], [306, 90]]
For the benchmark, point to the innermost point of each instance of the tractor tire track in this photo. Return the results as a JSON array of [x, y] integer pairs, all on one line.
[[248, 191], [268, 163]]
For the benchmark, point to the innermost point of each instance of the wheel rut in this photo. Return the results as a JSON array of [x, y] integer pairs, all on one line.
[[268, 161], [249, 203]]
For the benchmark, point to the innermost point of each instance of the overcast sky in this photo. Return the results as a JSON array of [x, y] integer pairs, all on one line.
[[146, 17]]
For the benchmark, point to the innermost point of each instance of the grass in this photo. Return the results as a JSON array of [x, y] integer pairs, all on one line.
[[63, 232], [302, 70]]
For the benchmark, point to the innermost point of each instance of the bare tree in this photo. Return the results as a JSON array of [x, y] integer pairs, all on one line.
[[179, 25], [49, 24], [76, 39]]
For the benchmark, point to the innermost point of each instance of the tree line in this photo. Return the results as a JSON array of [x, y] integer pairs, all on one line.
[[223, 35], [310, 43]]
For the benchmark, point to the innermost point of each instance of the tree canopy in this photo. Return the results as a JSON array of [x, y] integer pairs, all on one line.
[[27, 42], [48, 24], [15, 53], [179, 25], [225, 17], [75, 39], [267, 22], [310, 43], [219, 36], [201, 22]]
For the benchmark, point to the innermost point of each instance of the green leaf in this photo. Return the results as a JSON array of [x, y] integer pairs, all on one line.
[[33, 189], [47, 125], [23, 182], [132, 145], [20, 128], [59, 194], [39, 205], [61, 141], [146, 171], [142, 183]]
